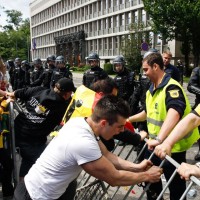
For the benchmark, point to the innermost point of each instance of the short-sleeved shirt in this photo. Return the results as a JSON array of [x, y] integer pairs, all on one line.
[[61, 161]]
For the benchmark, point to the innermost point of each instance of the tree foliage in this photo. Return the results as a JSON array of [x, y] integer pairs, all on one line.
[[131, 46], [177, 19], [15, 37]]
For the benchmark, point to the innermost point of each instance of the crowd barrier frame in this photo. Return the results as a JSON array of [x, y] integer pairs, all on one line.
[[85, 180]]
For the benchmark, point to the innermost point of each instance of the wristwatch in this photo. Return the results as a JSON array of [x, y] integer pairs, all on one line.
[[198, 164], [158, 139]]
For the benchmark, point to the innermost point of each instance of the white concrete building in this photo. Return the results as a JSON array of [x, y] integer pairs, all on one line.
[[74, 28]]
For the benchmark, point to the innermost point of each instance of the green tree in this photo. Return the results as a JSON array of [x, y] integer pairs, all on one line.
[[14, 17], [15, 37], [177, 19], [130, 46]]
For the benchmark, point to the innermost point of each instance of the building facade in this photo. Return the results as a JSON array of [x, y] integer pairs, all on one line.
[[74, 28]]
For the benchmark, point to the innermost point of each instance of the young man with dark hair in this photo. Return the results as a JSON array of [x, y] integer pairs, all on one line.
[[77, 148]]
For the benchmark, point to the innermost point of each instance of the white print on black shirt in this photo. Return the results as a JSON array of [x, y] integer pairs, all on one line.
[[39, 109]]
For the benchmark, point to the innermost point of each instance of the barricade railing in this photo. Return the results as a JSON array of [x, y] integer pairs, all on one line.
[[126, 152], [13, 107]]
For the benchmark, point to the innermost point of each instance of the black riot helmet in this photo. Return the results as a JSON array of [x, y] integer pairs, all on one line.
[[37, 61], [25, 65], [60, 59], [51, 58], [10, 62], [25, 62], [149, 52], [118, 60], [93, 57], [17, 61]]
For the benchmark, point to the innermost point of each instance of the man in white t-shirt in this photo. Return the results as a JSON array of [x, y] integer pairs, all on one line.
[[77, 148]]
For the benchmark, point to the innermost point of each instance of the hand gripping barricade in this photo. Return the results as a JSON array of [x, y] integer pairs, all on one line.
[[86, 183], [88, 187]]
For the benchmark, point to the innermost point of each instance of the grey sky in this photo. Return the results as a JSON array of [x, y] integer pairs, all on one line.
[[20, 5]]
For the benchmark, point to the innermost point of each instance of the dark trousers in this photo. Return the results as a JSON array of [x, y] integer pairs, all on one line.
[[177, 186], [6, 170], [21, 192], [29, 153]]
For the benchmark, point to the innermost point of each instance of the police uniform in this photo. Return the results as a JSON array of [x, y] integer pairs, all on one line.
[[18, 78], [45, 78], [60, 73], [92, 75], [169, 94], [125, 83], [173, 72], [194, 87], [36, 73]]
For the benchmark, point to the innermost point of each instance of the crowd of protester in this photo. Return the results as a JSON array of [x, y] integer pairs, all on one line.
[[155, 104]]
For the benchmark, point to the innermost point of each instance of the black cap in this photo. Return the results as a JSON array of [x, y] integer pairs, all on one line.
[[65, 85]]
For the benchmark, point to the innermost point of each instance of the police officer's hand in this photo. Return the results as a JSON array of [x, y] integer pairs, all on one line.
[[162, 150], [152, 144]]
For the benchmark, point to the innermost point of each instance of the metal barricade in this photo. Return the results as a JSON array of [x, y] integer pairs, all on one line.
[[88, 185]]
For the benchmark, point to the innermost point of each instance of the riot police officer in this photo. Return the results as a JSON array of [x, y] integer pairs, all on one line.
[[95, 72], [18, 75], [45, 78], [61, 71], [180, 67], [37, 71], [26, 68], [194, 87], [124, 78], [11, 67]]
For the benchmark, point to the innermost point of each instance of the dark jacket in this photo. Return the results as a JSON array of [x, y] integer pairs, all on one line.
[[194, 84], [44, 110], [92, 75], [173, 72]]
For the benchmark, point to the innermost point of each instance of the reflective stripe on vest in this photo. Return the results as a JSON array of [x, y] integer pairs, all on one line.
[[157, 112]]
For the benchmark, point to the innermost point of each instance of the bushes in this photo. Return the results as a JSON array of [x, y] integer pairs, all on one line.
[[108, 67], [80, 69]]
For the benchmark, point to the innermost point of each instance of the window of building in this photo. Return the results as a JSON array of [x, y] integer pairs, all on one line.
[[143, 16], [91, 45], [116, 21], [95, 7], [95, 45], [135, 16], [106, 23], [100, 44], [116, 43], [109, 3], [90, 9], [105, 43], [110, 22], [110, 43], [121, 20], [99, 5], [129, 18]]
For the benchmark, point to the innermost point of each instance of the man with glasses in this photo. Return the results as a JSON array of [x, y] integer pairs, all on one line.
[[95, 72]]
